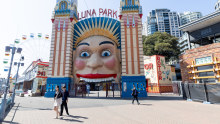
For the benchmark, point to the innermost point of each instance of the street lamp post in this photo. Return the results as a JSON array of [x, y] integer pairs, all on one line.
[[4, 100], [19, 64]]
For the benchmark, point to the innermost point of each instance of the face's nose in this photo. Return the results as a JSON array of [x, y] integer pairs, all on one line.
[[95, 61]]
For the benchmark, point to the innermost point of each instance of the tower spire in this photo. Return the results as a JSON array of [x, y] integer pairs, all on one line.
[[130, 6], [67, 8]]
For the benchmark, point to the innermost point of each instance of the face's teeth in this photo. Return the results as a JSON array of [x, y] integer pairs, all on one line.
[[97, 80]]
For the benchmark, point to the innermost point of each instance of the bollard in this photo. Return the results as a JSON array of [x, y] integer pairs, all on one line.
[[98, 94]]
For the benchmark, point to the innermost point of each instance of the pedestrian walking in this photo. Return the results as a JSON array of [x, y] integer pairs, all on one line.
[[88, 88], [135, 95], [57, 101], [64, 101]]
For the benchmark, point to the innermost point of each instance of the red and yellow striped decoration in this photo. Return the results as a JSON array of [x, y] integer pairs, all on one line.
[[47, 37], [24, 37], [7, 54]]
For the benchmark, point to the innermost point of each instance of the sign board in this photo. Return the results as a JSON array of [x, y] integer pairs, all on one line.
[[41, 73], [101, 13], [203, 60]]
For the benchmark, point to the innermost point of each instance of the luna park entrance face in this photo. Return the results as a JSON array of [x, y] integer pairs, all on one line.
[[98, 90]]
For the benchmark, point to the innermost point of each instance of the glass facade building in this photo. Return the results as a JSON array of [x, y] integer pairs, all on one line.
[[162, 20], [187, 17]]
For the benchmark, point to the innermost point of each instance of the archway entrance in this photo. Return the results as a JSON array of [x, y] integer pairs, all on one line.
[[98, 89]]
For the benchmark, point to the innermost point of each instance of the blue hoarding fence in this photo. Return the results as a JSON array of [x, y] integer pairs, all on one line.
[[128, 83], [53, 82]]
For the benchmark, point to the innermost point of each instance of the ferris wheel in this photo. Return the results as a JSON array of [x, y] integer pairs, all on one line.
[[34, 47]]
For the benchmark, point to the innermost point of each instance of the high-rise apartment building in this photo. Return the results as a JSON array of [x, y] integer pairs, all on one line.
[[162, 20], [187, 17]]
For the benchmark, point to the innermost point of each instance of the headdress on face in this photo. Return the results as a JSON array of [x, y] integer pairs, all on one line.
[[97, 26]]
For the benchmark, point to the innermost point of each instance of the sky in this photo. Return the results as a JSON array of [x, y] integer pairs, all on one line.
[[22, 17]]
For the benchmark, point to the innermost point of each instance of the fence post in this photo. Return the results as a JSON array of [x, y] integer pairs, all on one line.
[[75, 90], [106, 90], [206, 95], [82, 90], [178, 88], [190, 99], [113, 88], [120, 86], [181, 89]]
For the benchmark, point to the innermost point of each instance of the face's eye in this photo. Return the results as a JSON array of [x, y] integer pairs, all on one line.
[[84, 54], [106, 53]]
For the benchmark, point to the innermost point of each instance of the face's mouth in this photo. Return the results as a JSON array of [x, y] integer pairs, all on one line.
[[96, 77]]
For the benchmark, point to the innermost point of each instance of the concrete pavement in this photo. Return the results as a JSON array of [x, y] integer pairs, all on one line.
[[153, 110]]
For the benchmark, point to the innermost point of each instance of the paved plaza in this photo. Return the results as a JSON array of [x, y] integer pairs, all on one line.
[[153, 110]]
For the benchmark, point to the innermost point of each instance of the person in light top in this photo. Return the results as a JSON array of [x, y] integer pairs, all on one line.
[[57, 101]]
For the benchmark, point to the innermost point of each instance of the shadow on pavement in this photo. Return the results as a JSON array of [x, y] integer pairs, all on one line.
[[9, 122], [74, 120], [147, 104], [31, 108], [43, 109], [8, 110], [71, 120], [77, 117]]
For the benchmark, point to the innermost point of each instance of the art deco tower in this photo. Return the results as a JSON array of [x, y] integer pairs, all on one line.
[[60, 63], [132, 47]]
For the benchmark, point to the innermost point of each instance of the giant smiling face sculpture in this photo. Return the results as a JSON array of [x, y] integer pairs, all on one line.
[[97, 59], [96, 55]]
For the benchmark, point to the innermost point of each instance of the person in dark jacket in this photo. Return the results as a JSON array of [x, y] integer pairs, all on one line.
[[64, 101], [135, 95], [57, 100]]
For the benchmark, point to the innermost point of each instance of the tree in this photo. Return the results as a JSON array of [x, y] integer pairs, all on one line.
[[161, 44]]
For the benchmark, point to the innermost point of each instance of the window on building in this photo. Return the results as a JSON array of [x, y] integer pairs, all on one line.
[[129, 2], [21, 87], [206, 74], [207, 80], [63, 5], [204, 67]]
